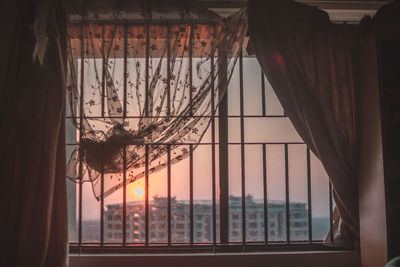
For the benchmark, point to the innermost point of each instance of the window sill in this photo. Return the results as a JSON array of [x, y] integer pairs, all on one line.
[[281, 259]]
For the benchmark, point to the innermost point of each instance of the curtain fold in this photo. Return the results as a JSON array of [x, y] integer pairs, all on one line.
[[139, 90], [33, 187], [309, 62]]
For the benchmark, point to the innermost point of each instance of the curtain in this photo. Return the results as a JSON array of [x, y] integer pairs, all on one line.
[[33, 189], [145, 88], [309, 62]]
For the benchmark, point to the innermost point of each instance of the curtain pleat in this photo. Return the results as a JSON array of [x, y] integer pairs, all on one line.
[[33, 188], [309, 62]]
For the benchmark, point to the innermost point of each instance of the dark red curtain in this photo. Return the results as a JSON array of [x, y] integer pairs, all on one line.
[[33, 201], [309, 62]]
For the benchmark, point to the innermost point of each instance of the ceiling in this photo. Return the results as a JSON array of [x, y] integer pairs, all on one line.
[[339, 10]]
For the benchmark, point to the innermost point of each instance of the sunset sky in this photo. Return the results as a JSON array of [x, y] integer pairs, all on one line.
[[256, 130]]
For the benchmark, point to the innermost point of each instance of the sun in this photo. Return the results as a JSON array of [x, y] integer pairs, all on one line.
[[139, 191]]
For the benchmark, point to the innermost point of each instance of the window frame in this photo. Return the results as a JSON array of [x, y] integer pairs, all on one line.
[[224, 245], [348, 15]]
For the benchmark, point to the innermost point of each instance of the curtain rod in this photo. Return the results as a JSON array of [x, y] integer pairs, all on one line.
[[359, 5], [338, 4], [328, 4], [164, 22], [226, 8]]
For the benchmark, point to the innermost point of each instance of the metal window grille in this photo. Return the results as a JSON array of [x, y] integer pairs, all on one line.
[[222, 230]]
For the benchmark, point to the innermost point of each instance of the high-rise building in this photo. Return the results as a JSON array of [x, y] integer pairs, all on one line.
[[202, 221]]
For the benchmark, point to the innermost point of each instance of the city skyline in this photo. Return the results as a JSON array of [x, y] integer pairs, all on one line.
[[202, 222]]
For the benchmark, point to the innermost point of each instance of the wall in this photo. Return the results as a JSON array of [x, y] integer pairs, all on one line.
[[389, 60], [373, 230], [276, 259]]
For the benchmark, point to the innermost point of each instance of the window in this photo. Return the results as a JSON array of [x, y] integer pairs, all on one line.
[[252, 225], [253, 216], [253, 233], [235, 216], [264, 160]]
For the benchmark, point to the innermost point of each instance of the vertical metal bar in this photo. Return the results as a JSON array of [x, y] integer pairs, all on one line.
[[331, 213], [191, 68], [124, 151], [146, 107], [124, 199], [309, 203], [169, 114], [191, 192], [214, 208], [103, 71], [147, 72], [265, 195], [146, 204], [81, 114], [102, 208], [169, 195], [80, 206], [168, 70], [125, 67], [223, 146], [264, 112], [287, 193], [242, 152]]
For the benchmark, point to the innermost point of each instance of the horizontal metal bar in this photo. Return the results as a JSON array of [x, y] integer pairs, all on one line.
[[162, 117], [139, 21], [198, 248], [323, 4], [207, 143]]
